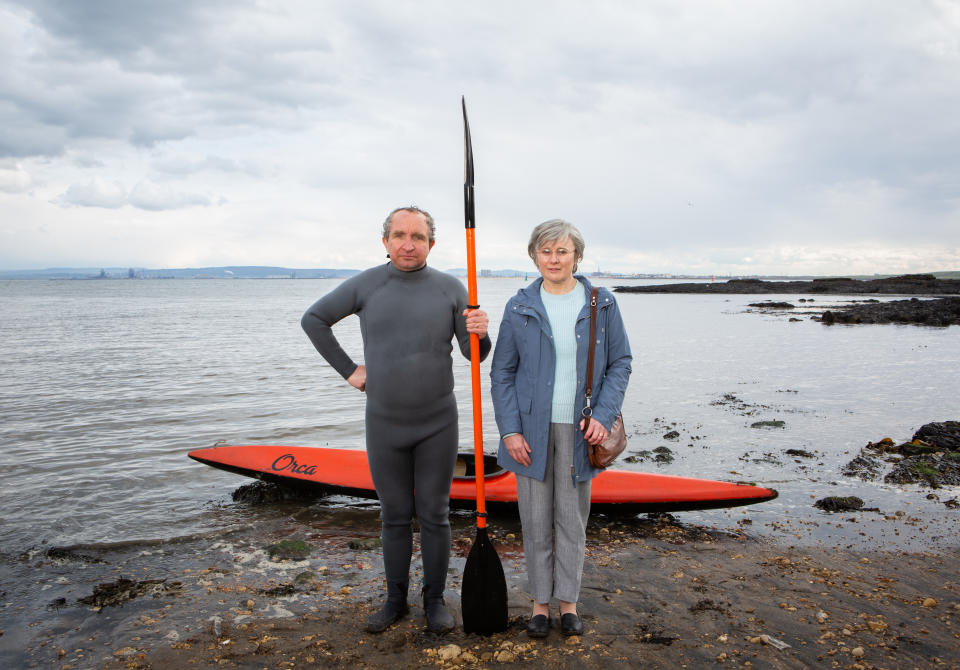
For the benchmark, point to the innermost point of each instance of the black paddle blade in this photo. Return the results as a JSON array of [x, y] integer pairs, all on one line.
[[483, 598], [469, 216]]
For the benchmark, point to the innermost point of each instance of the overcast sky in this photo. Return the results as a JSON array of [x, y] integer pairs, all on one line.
[[754, 137]]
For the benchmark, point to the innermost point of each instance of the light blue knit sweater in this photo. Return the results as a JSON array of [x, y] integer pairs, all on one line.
[[562, 312]]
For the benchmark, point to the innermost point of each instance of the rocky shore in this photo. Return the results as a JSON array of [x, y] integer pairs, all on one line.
[[932, 311], [936, 312], [655, 594], [930, 458], [292, 587], [920, 284]]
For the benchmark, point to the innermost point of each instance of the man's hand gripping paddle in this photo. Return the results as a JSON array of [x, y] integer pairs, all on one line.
[[483, 597]]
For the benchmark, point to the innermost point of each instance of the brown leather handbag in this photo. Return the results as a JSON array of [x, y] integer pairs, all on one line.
[[605, 453]]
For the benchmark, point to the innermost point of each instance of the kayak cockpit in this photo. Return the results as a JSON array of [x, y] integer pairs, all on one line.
[[466, 467]]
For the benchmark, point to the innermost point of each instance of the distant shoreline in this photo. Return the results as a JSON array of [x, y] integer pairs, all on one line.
[[280, 272]]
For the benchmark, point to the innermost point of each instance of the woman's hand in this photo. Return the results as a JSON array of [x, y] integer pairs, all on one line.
[[595, 432], [518, 449]]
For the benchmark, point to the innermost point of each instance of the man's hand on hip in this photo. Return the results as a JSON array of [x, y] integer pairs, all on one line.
[[358, 379]]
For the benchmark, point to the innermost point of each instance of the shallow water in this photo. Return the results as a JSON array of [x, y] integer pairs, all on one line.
[[108, 384]]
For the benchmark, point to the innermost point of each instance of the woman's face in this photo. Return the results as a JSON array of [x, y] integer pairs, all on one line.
[[556, 259]]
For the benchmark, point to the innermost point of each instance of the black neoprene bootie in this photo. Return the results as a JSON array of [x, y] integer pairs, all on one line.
[[392, 611], [439, 619]]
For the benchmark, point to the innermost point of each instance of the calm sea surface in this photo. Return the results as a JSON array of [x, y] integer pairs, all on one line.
[[106, 385]]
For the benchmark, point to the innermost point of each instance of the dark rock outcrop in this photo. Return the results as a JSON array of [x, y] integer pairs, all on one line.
[[771, 304], [261, 492], [935, 470], [937, 312], [863, 467], [839, 504], [773, 423], [902, 285], [931, 457], [943, 434]]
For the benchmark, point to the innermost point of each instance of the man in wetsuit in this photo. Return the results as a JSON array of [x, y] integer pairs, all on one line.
[[409, 314]]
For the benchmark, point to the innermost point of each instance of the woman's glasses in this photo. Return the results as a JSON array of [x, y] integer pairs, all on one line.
[[546, 254]]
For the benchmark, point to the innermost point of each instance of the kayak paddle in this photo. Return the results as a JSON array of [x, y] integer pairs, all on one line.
[[483, 597]]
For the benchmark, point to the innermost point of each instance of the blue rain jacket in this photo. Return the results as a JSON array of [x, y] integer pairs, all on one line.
[[523, 368]]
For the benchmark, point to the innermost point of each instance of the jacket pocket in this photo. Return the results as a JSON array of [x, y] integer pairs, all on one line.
[[524, 397]]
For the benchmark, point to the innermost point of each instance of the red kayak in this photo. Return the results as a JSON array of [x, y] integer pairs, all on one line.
[[345, 471]]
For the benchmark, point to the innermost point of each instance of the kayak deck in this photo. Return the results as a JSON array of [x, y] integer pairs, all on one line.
[[346, 472]]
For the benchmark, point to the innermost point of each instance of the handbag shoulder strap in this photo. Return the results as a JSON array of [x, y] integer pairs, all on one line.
[[593, 340]]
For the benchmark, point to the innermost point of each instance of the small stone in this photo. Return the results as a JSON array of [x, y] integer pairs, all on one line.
[[295, 550], [365, 544], [504, 656], [449, 652], [929, 602], [858, 652]]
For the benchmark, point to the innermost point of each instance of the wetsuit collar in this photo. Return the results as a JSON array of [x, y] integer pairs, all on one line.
[[394, 271]]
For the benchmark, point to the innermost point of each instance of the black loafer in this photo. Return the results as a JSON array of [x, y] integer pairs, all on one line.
[[570, 624], [538, 626]]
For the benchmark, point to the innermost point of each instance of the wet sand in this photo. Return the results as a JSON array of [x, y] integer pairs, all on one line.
[[655, 593]]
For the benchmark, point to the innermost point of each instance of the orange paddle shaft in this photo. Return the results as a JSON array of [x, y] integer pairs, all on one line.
[[475, 374]]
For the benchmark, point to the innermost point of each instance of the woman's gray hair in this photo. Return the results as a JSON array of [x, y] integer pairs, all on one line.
[[413, 209], [551, 231]]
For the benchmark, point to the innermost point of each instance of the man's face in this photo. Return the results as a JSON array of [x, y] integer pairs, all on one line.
[[409, 241]]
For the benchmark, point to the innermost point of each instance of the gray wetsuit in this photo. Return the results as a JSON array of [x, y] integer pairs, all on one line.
[[407, 321]]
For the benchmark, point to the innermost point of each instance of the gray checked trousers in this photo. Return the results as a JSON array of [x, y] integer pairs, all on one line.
[[553, 513]]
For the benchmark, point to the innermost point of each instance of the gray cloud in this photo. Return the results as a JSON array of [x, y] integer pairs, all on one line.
[[147, 195], [97, 192], [659, 127], [14, 179], [148, 72], [183, 165], [158, 197]]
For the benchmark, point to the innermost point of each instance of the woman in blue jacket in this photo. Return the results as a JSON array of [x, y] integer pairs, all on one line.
[[538, 383]]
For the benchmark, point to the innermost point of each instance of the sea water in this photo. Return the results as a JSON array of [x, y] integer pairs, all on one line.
[[107, 384]]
